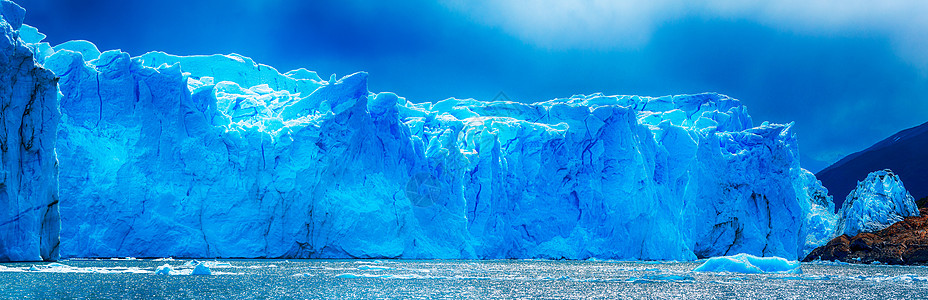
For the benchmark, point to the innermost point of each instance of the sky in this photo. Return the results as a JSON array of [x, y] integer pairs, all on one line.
[[848, 73]]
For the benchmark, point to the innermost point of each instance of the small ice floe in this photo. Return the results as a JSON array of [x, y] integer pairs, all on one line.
[[201, 269], [382, 276], [195, 267], [191, 263], [8, 269], [820, 278], [882, 278], [62, 268], [660, 278], [375, 268], [829, 262], [164, 269], [746, 263]]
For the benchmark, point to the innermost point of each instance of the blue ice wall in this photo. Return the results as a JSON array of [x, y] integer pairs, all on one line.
[[29, 114], [218, 156]]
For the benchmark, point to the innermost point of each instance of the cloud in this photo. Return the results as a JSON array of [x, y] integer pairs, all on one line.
[[608, 25]]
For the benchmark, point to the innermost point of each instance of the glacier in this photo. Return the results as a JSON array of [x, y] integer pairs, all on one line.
[[219, 156], [29, 216], [878, 201]]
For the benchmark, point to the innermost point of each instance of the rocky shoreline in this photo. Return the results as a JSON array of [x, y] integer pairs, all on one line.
[[903, 243]]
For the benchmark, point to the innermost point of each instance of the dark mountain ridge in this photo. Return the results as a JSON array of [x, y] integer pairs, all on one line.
[[906, 153]]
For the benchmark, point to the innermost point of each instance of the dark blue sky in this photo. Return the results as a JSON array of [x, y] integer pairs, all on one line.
[[848, 73]]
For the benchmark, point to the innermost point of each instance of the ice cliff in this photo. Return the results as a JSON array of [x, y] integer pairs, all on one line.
[[879, 201], [219, 156], [28, 169]]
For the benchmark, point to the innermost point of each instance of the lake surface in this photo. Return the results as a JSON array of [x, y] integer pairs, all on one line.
[[429, 279]]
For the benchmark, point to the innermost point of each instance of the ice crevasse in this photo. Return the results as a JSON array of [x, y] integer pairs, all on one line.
[[219, 156]]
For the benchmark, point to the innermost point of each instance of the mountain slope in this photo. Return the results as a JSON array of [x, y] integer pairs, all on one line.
[[906, 153]]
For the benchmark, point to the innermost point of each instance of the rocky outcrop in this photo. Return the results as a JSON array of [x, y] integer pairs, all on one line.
[[905, 242]]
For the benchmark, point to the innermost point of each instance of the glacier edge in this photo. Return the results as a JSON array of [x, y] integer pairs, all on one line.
[[220, 156]]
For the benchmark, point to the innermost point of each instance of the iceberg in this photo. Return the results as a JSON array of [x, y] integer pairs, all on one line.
[[219, 156], [164, 269], [29, 219], [746, 263], [879, 201], [201, 269]]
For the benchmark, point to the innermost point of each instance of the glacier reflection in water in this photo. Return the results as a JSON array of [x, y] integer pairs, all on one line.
[[352, 279]]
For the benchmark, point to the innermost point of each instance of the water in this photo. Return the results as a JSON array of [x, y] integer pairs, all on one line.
[[362, 279]]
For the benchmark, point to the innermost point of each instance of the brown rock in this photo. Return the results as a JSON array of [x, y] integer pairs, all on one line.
[[905, 242]]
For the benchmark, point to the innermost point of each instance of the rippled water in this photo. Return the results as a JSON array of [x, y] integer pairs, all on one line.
[[350, 279]]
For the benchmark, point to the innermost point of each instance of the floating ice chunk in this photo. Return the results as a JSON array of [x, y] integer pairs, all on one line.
[[351, 276], [164, 259], [164, 269], [883, 278], [375, 268], [201, 269], [746, 263], [62, 268], [216, 264], [383, 276], [191, 263], [660, 278], [9, 269]]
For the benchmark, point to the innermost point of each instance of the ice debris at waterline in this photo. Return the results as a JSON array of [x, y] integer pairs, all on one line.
[[218, 156], [746, 263], [879, 201], [188, 268], [164, 269], [29, 114]]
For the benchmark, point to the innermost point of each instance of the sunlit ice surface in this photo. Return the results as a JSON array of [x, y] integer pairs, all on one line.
[[429, 279]]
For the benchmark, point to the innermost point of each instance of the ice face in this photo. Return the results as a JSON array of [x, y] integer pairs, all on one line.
[[219, 156], [29, 114], [877, 202], [159, 159], [821, 220]]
